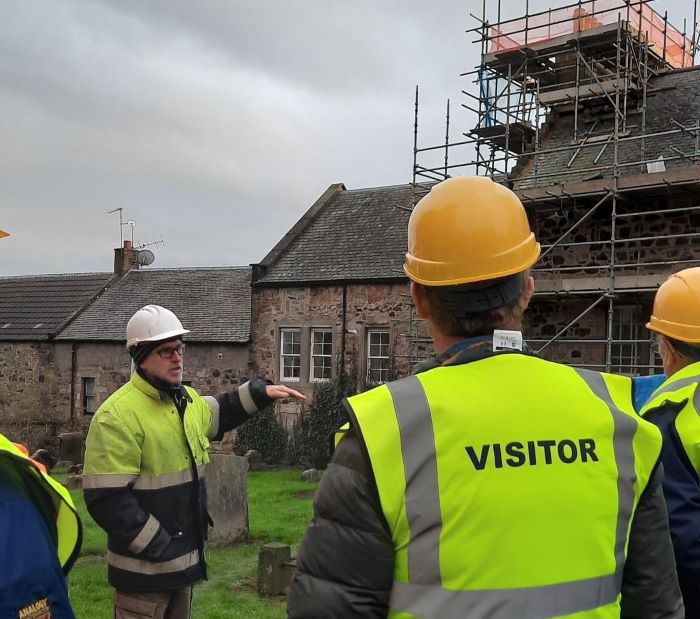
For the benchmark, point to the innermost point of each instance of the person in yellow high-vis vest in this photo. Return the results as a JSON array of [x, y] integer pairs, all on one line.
[[40, 537], [675, 408], [491, 484], [146, 454]]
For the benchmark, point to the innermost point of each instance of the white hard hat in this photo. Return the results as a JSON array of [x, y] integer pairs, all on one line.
[[152, 323]]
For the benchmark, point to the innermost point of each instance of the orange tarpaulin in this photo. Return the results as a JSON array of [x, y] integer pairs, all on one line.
[[665, 41]]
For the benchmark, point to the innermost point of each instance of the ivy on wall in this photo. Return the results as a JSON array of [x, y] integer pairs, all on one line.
[[263, 433], [310, 443]]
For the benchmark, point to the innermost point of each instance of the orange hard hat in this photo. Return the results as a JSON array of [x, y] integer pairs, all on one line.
[[468, 229], [676, 312]]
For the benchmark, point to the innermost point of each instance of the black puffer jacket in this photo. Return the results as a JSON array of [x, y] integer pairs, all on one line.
[[345, 566]]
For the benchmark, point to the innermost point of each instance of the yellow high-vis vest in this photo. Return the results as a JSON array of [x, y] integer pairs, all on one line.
[[682, 389], [68, 524], [509, 485]]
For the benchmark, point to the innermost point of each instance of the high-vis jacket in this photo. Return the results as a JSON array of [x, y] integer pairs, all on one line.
[[143, 478], [41, 538], [507, 486], [455, 456], [675, 408], [681, 393]]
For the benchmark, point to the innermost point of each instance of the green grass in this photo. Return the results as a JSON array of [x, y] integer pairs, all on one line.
[[279, 510], [279, 506]]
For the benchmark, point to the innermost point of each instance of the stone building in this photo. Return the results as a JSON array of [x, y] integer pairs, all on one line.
[[36, 386], [591, 113], [62, 350], [331, 298]]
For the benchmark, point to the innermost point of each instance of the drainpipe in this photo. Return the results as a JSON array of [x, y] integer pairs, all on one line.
[[343, 335], [73, 364]]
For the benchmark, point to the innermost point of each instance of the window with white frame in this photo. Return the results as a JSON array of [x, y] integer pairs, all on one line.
[[321, 355], [628, 353], [89, 396], [377, 355], [290, 354]]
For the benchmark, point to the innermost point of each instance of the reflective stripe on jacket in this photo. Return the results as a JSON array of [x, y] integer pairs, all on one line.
[[142, 480], [68, 525], [500, 502]]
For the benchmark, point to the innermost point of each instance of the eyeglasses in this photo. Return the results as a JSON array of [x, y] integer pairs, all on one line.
[[655, 347], [167, 353]]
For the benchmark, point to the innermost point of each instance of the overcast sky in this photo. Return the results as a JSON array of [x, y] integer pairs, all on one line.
[[215, 125]]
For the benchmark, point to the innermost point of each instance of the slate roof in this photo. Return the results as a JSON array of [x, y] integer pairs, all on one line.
[[214, 303], [36, 307], [348, 235], [677, 98]]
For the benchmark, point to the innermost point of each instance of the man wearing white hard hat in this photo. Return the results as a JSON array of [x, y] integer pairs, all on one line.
[[144, 460]]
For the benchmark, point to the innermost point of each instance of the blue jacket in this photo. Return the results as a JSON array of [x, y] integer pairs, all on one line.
[[643, 387], [31, 576]]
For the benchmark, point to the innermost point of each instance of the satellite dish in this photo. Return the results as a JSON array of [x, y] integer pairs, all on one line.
[[145, 257]]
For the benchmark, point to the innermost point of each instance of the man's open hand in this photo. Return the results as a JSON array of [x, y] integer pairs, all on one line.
[[280, 392]]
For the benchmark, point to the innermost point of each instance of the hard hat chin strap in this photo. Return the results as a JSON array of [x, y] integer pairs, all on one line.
[[480, 297]]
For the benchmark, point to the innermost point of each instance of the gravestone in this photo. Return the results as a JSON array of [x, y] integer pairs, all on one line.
[[76, 469], [312, 476], [254, 459], [227, 486], [275, 569], [74, 482], [71, 446]]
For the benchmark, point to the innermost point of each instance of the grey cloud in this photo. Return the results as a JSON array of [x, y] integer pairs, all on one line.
[[214, 124]]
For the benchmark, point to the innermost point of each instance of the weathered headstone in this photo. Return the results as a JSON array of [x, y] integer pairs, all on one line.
[[44, 457], [73, 482], [71, 446], [312, 476], [253, 457], [275, 569], [227, 486]]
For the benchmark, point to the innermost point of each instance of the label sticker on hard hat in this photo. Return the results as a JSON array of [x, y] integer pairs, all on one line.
[[507, 340]]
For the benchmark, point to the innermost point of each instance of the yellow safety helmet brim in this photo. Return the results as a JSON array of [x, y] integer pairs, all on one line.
[[676, 312]]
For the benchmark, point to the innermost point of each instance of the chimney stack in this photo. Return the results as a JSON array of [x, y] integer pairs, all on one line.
[[125, 259]]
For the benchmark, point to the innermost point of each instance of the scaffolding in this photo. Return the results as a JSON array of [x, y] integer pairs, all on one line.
[[589, 69]]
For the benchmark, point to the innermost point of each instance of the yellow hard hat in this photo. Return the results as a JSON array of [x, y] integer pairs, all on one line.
[[676, 310], [468, 229]]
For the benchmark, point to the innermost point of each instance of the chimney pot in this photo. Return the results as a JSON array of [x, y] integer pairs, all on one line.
[[125, 258]]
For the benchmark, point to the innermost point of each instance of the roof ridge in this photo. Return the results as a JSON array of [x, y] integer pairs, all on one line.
[[214, 268], [394, 186], [56, 275]]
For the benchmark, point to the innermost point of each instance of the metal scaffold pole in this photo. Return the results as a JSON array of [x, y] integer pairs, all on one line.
[[587, 67]]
